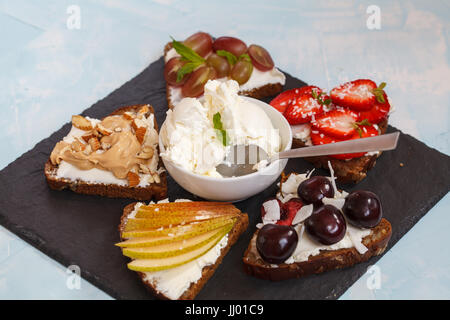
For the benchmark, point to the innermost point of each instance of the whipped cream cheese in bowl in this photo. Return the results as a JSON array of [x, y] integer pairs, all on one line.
[[192, 141]]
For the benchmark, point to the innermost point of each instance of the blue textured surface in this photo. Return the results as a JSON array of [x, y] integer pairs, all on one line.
[[50, 72]]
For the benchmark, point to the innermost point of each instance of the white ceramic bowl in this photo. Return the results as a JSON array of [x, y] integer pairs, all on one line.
[[235, 188]]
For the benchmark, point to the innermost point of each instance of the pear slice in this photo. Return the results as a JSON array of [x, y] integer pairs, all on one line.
[[188, 204], [175, 248], [177, 211], [179, 229], [169, 221], [186, 233], [151, 265]]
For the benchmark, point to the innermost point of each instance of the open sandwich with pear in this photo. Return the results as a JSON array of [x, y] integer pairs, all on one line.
[[175, 247]]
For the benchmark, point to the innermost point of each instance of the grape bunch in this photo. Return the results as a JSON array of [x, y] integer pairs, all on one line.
[[202, 59]]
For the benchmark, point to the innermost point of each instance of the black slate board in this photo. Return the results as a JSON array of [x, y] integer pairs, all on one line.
[[82, 230]]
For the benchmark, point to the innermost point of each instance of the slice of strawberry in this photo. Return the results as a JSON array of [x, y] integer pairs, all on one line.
[[379, 112], [359, 95], [339, 123], [289, 211], [364, 131], [305, 108], [286, 98]]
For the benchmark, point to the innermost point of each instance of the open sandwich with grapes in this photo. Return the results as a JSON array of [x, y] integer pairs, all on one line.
[[311, 227], [189, 64]]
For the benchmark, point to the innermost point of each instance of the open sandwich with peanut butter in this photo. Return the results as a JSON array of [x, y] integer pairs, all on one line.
[[116, 156]]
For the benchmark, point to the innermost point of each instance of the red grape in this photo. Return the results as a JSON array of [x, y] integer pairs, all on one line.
[[260, 57], [220, 64], [194, 86], [230, 44], [170, 71], [200, 42], [242, 71]]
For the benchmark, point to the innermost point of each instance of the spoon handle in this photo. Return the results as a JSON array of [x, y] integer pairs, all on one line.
[[378, 143]]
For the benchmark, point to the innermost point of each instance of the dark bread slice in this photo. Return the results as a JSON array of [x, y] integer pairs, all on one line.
[[351, 171], [239, 227], [326, 260], [157, 191], [376, 242], [267, 90]]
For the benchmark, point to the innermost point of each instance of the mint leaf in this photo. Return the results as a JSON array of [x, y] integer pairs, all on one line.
[[185, 52], [230, 57], [186, 69], [221, 133]]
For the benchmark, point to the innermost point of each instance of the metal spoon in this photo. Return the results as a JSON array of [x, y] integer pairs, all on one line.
[[241, 159]]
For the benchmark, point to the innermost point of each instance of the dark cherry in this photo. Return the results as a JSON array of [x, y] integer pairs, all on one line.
[[363, 209], [276, 243], [314, 189], [326, 225]]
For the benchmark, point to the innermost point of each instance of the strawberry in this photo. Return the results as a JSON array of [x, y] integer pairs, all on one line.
[[339, 123], [378, 112], [306, 106], [286, 98], [364, 131], [359, 95], [289, 211]]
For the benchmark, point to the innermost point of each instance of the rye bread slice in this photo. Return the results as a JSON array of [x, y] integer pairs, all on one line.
[[239, 227], [376, 242], [346, 171], [267, 90], [155, 190]]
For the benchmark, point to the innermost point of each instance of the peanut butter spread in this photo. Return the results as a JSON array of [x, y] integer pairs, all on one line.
[[122, 144]]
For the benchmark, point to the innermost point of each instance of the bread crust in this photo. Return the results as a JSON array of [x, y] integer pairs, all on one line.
[[207, 272], [326, 260], [156, 191], [267, 90], [350, 171]]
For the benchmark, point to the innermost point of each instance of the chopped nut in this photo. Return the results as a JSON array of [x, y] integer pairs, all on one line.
[[140, 134], [94, 143], [143, 110], [88, 136], [81, 123], [88, 150], [128, 115], [143, 168], [118, 129], [77, 145], [100, 128], [133, 179], [156, 177], [146, 153]]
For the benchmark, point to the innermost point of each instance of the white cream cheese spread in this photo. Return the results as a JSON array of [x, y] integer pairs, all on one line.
[[191, 140]]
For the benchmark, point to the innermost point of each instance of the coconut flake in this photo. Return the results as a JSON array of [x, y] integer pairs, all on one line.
[[357, 243], [333, 182], [336, 202], [272, 209], [303, 214]]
